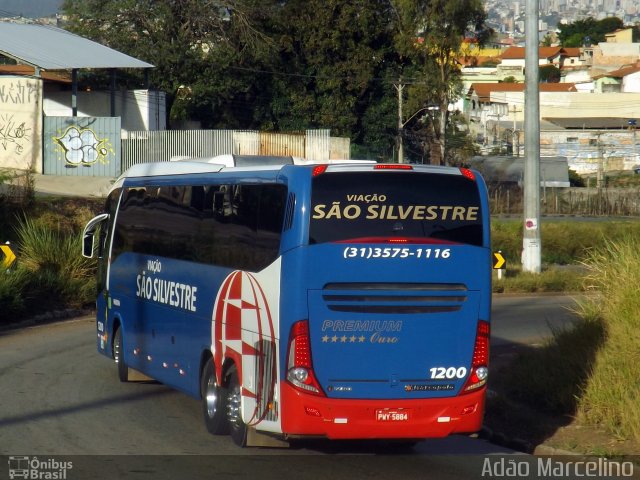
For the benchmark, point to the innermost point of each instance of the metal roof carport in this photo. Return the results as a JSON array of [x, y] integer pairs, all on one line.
[[46, 47]]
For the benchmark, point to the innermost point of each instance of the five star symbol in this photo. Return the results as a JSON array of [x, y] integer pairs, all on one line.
[[343, 339]]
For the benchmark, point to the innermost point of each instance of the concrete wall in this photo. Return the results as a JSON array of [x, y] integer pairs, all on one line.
[[575, 104], [610, 56], [631, 84], [20, 123], [589, 150], [139, 109]]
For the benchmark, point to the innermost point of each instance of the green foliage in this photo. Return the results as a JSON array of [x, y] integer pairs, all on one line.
[[552, 279], [613, 390], [563, 242], [549, 74], [191, 43], [336, 56], [45, 249], [49, 273], [440, 25], [575, 180], [290, 66], [12, 302], [587, 31]]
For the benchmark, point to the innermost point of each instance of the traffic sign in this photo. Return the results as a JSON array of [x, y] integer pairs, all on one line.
[[9, 256], [499, 261]]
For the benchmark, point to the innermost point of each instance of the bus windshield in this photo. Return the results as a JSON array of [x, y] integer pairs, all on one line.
[[416, 207]]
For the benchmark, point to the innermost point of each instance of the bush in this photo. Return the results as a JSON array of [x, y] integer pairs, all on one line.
[[12, 285], [50, 274]]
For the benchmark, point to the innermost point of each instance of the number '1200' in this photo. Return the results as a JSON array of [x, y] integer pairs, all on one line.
[[443, 373]]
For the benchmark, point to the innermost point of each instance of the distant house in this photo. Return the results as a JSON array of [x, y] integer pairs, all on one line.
[[481, 97], [496, 110], [612, 56], [557, 56], [622, 80], [622, 35]]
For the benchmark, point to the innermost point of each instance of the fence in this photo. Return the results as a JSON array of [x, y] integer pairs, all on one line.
[[82, 146], [507, 199], [162, 146]]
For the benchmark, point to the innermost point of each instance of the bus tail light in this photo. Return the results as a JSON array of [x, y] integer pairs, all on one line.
[[319, 170], [299, 365], [468, 173], [480, 362], [392, 166]]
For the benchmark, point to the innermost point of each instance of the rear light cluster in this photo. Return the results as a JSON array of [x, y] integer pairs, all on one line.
[[468, 173], [299, 365], [480, 362], [319, 169], [392, 166]]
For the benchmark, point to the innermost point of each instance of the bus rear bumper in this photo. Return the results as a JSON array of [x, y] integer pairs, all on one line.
[[382, 419]]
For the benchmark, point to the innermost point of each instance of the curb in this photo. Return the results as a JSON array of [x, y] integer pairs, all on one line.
[[503, 440], [47, 318]]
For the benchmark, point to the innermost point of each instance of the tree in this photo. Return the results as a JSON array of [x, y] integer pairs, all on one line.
[[191, 43], [549, 74], [587, 31], [333, 57], [429, 36], [268, 64]]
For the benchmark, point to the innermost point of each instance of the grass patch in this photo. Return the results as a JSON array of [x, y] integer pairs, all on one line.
[[564, 242], [582, 384], [551, 279], [613, 392]]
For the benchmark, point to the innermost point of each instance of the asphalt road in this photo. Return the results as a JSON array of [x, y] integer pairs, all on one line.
[[60, 398]]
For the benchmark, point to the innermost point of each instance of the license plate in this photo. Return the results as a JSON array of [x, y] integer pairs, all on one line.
[[389, 415]]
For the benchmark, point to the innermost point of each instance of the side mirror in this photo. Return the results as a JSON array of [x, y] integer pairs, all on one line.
[[88, 245], [88, 236]]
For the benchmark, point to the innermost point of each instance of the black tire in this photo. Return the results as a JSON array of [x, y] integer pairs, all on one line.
[[214, 401], [118, 356], [237, 428]]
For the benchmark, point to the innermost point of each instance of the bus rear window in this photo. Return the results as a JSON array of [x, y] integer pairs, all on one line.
[[420, 207]]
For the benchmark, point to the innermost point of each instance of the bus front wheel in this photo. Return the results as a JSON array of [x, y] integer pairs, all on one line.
[[118, 356], [214, 401], [237, 428]]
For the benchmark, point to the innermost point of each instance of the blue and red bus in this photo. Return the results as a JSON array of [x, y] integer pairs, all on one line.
[[349, 301]]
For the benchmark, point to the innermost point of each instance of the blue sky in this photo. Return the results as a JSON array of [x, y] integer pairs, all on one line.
[[29, 8]]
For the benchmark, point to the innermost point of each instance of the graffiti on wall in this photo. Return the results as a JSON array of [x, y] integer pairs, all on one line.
[[19, 122], [81, 146], [18, 92], [14, 135]]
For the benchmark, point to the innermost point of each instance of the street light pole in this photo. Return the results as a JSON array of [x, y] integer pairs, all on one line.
[[400, 88]]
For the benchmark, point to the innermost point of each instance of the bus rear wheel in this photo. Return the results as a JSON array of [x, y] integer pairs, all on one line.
[[214, 401], [237, 428], [118, 356]]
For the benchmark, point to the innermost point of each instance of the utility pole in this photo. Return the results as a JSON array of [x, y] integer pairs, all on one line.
[[531, 245], [515, 140], [400, 88], [600, 173]]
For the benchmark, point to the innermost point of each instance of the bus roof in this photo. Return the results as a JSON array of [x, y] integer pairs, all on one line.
[[233, 160], [207, 165]]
